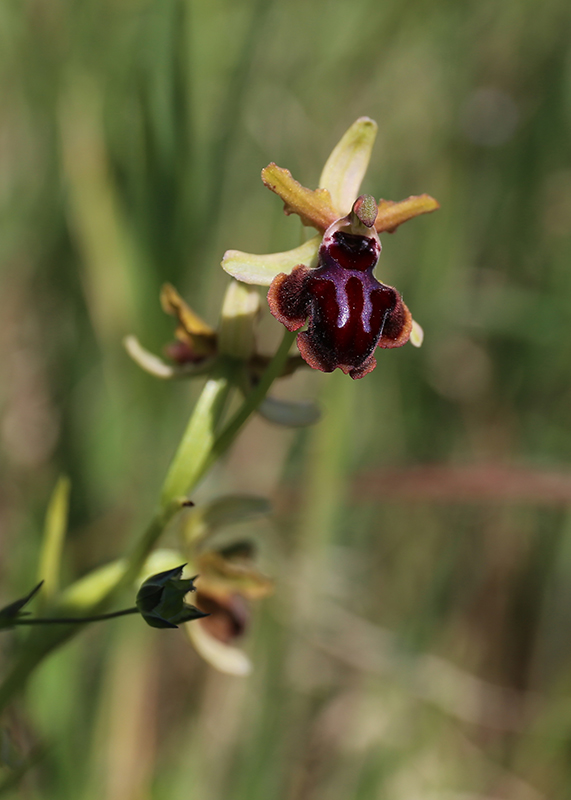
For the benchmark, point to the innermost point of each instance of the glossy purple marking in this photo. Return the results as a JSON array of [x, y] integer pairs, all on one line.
[[350, 312]]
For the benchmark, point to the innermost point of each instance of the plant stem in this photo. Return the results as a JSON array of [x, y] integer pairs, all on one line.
[[196, 444], [75, 620], [191, 461], [252, 400]]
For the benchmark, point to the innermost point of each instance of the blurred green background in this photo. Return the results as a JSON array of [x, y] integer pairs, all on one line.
[[425, 651]]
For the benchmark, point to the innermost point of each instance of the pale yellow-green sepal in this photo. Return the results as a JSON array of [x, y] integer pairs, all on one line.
[[221, 656], [240, 309], [416, 335], [346, 166], [157, 367], [261, 270], [314, 207]]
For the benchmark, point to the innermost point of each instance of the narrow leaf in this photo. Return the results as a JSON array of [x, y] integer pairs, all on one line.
[[54, 535]]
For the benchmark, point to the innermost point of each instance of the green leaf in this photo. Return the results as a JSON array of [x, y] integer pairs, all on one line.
[[87, 592], [261, 270], [346, 166], [54, 535]]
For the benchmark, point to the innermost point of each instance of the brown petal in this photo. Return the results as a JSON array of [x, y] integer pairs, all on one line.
[[313, 207], [229, 615], [392, 214]]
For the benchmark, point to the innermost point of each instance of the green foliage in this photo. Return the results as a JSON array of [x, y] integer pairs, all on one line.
[[418, 641]]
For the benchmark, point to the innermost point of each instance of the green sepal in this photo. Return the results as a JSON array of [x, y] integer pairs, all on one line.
[[262, 269], [160, 599], [9, 614]]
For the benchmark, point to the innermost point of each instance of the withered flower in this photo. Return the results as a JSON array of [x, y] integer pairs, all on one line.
[[329, 279], [200, 349], [230, 577]]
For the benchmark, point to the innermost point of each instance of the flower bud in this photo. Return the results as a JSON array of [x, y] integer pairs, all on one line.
[[160, 599]]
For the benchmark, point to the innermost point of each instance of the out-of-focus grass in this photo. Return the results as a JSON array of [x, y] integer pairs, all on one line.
[[131, 138]]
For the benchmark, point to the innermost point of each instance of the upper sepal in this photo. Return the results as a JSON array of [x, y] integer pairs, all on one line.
[[345, 168]]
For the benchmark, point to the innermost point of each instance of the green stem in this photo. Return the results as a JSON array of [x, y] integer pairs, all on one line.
[[75, 620], [197, 441], [200, 448], [192, 459], [252, 400]]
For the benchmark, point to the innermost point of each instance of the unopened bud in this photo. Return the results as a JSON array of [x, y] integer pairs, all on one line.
[[160, 599]]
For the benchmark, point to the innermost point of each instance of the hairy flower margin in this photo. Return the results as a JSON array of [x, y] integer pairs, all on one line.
[[329, 280]]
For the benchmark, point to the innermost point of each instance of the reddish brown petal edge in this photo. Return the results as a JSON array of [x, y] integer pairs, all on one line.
[[287, 298], [398, 325]]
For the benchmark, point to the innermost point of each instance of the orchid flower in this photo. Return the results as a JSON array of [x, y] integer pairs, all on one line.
[[328, 281]]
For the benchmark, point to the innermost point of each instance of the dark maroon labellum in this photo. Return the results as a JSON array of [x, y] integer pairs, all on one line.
[[350, 312], [354, 252]]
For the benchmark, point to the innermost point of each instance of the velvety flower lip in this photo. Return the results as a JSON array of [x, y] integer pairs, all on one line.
[[350, 312], [328, 281]]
